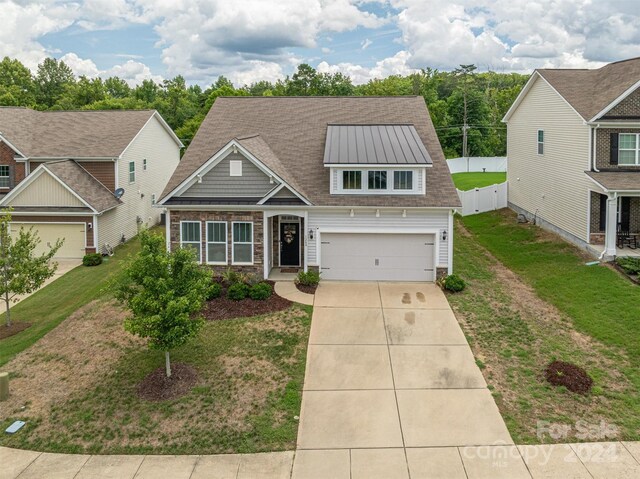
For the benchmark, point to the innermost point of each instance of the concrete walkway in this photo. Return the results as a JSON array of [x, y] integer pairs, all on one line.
[[288, 290]]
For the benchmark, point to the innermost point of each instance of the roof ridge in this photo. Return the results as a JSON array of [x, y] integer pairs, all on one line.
[[320, 96]]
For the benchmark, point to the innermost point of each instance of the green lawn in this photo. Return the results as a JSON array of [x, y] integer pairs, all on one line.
[[556, 307], [469, 181], [51, 305]]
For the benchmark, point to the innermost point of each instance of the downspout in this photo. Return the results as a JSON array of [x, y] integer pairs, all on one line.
[[594, 150]]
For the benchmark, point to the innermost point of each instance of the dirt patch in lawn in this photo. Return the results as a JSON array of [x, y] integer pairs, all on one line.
[[15, 328], [515, 335], [158, 387], [307, 288], [225, 308]]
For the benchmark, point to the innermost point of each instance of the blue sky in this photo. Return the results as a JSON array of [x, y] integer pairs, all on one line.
[[253, 40]]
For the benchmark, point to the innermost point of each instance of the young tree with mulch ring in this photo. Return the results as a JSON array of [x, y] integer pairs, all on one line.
[[163, 290], [21, 271]]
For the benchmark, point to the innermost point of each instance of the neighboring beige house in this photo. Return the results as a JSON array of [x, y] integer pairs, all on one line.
[[90, 177], [573, 147], [356, 187]]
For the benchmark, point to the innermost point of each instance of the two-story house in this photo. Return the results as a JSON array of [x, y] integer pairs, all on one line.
[[89, 177], [356, 187], [573, 147]]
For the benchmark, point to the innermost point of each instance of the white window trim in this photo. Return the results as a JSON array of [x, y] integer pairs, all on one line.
[[233, 243], [418, 187], [538, 142], [237, 171], [134, 172], [7, 176], [153, 199], [226, 242], [636, 149], [199, 243], [393, 180]]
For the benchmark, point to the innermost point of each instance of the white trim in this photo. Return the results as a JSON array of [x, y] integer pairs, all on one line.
[[617, 101], [449, 244], [84, 224], [295, 209], [376, 166], [273, 192], [12, 146], [636, 150], [199, 223], [163, 123], [226, 241], [616, 124], [235, 168], [233, 252], [218, 157], [306, 243], [167, 229], [299, 223], [19, 214], [95, 233], [32, 177], [267, 243], [131, 162], [117, 174], [389, 190]]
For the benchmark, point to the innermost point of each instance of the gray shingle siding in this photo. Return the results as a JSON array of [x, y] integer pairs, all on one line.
[[218, 182]]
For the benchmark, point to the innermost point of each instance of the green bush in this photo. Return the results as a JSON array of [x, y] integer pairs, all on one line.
[[238, 291], [629, 265], [310, 278], [231, 277], [215, 290], [92, 259], [260, 291], [454, 283]]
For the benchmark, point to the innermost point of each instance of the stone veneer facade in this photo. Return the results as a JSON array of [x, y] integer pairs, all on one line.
[[256, 217]]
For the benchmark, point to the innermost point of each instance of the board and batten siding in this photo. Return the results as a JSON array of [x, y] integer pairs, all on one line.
[[46, 191], [163, 155], [219, 183], [390, 221], [553, 185]]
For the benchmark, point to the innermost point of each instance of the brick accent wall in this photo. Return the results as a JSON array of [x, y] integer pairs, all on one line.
[[594, 210], [16, 169], [598, 235], [603, 148], [62, 219], [630, 106], [228, 216]]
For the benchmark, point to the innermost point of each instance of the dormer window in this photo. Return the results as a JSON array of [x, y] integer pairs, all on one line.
[[377, 180], [351, 180], [403, 180]]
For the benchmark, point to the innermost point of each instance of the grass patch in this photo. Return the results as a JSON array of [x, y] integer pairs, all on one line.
[[530, 300], [48, 307], [247, 395], [469, 181]]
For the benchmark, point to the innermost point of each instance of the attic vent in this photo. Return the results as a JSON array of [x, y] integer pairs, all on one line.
[[235, 168]]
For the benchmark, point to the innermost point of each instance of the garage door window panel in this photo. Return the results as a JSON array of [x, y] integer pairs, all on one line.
[[242, 251], [190, 237]]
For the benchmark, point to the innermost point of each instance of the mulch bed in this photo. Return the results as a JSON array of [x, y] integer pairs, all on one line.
[[225, 308], [307, 289], [573, 377], [633, 279], [158, 387], [15, 328]]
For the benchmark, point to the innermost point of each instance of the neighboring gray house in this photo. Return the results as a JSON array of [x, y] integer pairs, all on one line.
[[573, 147], [59, 171], [356, 187]]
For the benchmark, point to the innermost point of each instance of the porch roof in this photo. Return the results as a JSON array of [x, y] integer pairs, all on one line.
[[620, 181]]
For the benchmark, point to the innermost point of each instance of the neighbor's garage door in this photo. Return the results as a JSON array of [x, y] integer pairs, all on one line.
[[73, 234], [371, 257]]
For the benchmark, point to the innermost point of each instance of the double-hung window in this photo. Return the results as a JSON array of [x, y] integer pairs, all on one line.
[[5, 182], [132, 172], [403, 180], [629, 149], [377, 180], [352, 180], [540, 142], [242, 251], [190, 236], [216, 242]]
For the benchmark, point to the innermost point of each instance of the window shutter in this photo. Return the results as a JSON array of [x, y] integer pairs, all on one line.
[[12, 176], [613, 158]]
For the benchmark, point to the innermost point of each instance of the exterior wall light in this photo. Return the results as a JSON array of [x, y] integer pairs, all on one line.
[[444, 235], [310, 233]]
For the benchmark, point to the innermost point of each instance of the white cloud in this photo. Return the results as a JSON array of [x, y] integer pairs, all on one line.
[[80, 66], [132, 72], [395, 65], [365, 43]]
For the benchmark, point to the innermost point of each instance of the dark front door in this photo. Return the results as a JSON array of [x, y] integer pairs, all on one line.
[[289, 244]]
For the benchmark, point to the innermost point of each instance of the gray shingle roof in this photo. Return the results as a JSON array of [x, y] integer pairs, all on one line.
[[83, 184], [375, 144], [71, 134], [590, 91], [295, 130], [617, 180]]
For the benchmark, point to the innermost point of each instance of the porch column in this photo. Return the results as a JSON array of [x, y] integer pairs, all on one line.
[[612, 225], [306, 240], [266, 244]]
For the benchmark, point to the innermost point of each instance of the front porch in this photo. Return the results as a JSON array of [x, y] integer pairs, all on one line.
[[615, 224], [285, 244]]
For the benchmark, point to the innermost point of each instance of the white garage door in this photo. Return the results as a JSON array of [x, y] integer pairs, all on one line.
[[377, 257], [73, 234]]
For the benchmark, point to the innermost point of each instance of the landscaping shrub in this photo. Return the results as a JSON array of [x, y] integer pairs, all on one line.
[[573, 377], [231, 277], [92, 259], [215, 290], [260, 291], [310, 278], [238, 291], [453, 283], [629, 265]]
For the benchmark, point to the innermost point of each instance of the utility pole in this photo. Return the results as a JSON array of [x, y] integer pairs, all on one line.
[[464, 71]]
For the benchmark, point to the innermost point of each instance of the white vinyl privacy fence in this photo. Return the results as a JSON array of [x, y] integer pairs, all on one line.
[[490, 164], [484, 199]]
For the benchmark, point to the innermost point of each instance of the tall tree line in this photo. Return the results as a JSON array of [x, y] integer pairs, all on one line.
[[481, 99]]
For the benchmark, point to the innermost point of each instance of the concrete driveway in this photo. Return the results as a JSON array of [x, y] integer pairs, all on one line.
[[391, 378]]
